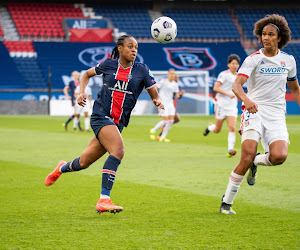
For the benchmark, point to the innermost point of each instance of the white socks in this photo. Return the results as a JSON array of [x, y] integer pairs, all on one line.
[[262, 160], [211, 127], [75, 122], [87, 123], [159, 125], [231, 141], [102, 196], [167, 128], [234, 184]]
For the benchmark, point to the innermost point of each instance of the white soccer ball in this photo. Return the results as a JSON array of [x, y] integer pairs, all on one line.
[[164, 29]]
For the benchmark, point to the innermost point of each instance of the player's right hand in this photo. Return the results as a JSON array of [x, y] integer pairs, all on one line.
[[81, 100], [158, 104], [251, 106]]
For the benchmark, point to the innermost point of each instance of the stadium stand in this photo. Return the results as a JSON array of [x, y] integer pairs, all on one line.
[[203, 23], [42, 19], [24, 56], [294, 49], [248, 17], [34, 21], [134, 20], [11, 78]]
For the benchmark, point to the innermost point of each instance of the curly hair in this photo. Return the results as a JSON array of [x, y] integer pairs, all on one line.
[[233, 57], [115, 51], [282, 27]]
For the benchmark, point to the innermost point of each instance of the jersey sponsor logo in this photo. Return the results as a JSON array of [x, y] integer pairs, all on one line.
[[272, 71], [94, 55], [189, 58], [121, 86]]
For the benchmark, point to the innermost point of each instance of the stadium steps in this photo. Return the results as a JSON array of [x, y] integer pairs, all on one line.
[[9, 30], [25, 57], [154, 14]]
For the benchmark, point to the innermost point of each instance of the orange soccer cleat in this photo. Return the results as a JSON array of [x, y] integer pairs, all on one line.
[[52, 177], [105, 205]]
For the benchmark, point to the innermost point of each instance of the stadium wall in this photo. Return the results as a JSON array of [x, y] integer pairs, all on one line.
[[23, 107]]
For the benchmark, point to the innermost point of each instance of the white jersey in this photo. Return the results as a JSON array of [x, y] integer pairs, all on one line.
[[167, 90], [79, 109], [267, 77], [227, 80], [88, 90]]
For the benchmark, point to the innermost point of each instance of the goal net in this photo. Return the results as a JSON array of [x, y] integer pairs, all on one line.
[[195, 100]]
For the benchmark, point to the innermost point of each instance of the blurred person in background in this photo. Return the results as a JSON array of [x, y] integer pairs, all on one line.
[[226, 103], [71, 87], [85, 110], [176, 116], [167, 89]]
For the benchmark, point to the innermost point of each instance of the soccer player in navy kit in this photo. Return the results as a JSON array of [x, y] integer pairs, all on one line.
[[123, 81], [71, 87]]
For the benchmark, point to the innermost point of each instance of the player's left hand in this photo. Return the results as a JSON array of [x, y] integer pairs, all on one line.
[[81, 100], [158, 104]]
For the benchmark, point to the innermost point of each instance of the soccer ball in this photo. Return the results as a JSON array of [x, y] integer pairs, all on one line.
[[164, 29]]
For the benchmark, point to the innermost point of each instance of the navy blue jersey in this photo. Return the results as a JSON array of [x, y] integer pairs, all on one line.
[[72, 87], [122, 87]]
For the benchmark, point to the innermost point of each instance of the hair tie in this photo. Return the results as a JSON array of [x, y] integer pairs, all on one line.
[[275, 26]]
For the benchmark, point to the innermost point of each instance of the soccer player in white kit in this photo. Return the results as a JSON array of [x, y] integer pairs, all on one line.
[[79, 109], [266, 71], [226, 103], [167, 88]]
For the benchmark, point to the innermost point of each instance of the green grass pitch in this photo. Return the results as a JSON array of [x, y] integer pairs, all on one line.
[[170, 192]]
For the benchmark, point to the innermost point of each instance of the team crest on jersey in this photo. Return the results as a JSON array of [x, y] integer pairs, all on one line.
[[92, 56], [129, 76], [188, 58], [282, 64]]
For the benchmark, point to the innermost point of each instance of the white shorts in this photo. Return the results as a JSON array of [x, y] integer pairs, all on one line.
[[269, 129], [222, 112], [79, 109], [169, 110]]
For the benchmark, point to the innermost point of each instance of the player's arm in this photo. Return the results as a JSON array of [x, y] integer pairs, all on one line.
[[295, 89], [65, 90], [240, 93], [221, 91], [83, 83], [156, 99]]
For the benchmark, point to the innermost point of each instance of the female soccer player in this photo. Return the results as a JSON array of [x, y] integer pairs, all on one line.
[[71, 87], [167, 88], [226, 103], [267, 71], [123, 81], [80, 109]]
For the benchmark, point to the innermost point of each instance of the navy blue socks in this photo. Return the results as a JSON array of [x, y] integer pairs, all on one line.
[[108, 174], [71, 166]]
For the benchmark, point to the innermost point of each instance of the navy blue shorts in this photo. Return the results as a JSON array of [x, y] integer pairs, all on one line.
[[101, 118]]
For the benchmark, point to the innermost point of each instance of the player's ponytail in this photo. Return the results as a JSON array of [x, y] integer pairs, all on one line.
[[115, 52]]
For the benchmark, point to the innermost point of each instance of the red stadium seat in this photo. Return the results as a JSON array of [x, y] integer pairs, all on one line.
[[41, 18]]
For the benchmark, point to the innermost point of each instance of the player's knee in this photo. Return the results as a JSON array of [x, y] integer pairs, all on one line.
[[176, 119], [231, 129], [217, 130], [118, 152], [278, 158]]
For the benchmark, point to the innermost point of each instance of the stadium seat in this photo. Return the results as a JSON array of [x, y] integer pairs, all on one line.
[[40, 17]]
